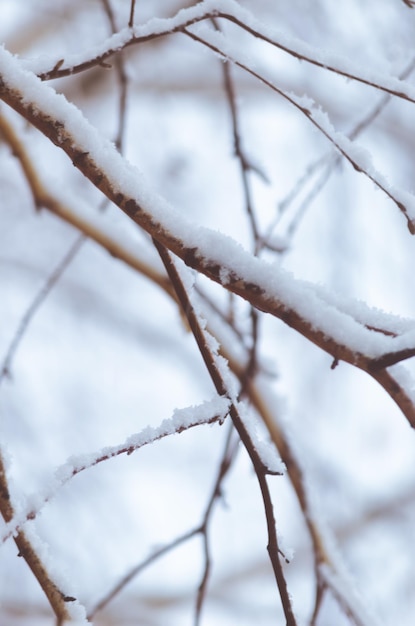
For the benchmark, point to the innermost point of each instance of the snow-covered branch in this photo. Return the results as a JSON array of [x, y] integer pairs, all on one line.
[[357, 156], [183, 419], [230, 11], [264, 285]]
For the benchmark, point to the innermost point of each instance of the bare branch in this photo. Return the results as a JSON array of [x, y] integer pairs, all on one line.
[[132, 9], [135, 571], [54, 277], [121, 77]]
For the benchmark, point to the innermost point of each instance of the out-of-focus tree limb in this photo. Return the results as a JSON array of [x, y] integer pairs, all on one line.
[[44, 199]]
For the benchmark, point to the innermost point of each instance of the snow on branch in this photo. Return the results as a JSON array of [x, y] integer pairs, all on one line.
[[47, 68], [183, 419], [231, 11], [303, 51], [208, 412], [357, 156], [265, 285]]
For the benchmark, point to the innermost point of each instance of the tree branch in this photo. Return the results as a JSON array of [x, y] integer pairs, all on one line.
[[222, 389], [58, 599], [45, 199]]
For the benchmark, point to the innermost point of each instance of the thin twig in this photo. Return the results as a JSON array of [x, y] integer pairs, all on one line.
[[321, 588], [132, 9], [221, 388], [53, 278], [244, 162], [228, 457], [245, 168], [201, 529], [135, 571], [328, 163], [122, 81]]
